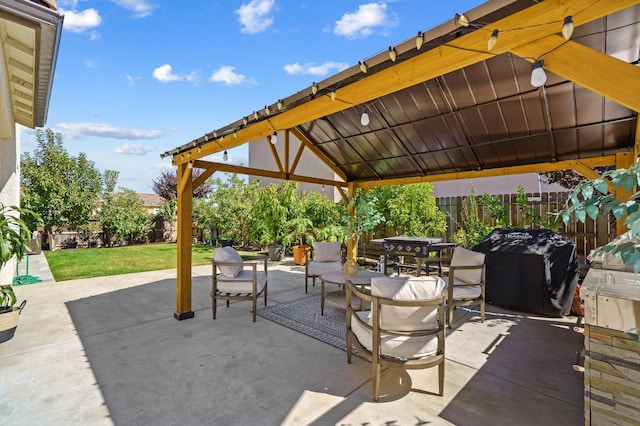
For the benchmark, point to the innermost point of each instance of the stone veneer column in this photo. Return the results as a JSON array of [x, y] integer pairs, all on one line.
[[611, 377]]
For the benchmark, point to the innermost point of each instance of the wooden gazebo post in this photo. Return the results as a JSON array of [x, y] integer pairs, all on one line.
[[183, 281], [352, 249]]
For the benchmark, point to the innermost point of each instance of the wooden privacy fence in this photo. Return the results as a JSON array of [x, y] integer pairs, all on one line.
[[587, 236]]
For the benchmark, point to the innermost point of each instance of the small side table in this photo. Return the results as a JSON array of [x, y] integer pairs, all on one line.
[[362, 278]]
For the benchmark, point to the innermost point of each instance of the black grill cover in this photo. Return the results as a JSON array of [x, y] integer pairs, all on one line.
[[530, 270]]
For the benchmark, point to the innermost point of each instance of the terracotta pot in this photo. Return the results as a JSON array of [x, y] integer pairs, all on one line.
[[300, 254]]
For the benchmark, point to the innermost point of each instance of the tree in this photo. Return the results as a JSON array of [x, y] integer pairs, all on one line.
[[166, 185], [124, 218], [412, 210], [569, 178], [591, 198], [62, 189], [233, 216]]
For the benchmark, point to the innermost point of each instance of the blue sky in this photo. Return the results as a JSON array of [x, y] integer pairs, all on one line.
[[136, 78]]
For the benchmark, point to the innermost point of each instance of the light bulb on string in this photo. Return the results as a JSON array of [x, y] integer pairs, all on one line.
[[567, 27], [363, 67], [538, 76], [419, 40], [314, 88], [493, 39], [393, 55], [274, 138], [364, 118], [225, 156], [190, 164], [462, 20], [333, 95]]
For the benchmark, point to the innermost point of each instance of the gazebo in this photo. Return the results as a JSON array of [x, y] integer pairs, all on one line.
[[512, 86]]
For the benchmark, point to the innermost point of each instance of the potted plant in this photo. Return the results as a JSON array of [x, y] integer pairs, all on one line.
[[299, 232], [14, 241]]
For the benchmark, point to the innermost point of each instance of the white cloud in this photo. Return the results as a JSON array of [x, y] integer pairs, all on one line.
[[103, 130], [79, 22], [164, 74], [131, 80], [311, 69], [140, 8], [255, 16], [226, 74], [133, 149], [363, 22]]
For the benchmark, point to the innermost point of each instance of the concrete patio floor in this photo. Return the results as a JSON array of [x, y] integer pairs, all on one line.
[[108, 351]]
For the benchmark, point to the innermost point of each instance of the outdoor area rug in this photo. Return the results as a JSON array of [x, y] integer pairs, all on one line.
[[303, 315]]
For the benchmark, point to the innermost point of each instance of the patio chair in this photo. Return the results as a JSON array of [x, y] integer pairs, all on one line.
[[237, 279], [324, 257], [404, 328], [466, 281]]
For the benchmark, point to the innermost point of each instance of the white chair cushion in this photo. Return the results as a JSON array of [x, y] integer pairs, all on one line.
[[319, 268], [402, 318], [395, 346], [326, 251], [242, 283], [464, 292], [463, 257], [228, 254]]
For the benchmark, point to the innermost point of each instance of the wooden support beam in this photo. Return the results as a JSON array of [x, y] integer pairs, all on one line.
[[502, 171], [587, 67], [276, 156], [307, 143], [183, 280], [242, 170], [352, 248]]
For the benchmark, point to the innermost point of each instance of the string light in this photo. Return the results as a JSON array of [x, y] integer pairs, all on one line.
[[314, 88], [267, 111], [215, 134], [255, 115], [274, 138], [567, 27], [363, 67], [364, 118], [419, 40], [462, 20], [493, 39], [538, 76], [279, 104], [190, 165], [199, 149], [235, 134], [333, 95], [244, 121], [393, 55], [225, 156]]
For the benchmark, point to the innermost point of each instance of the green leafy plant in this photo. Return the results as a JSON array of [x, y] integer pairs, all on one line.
[[591, 198], [472, 229], [365, 218], [14, 241]]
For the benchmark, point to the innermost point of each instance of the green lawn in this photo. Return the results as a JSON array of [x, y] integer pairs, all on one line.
[[99, 262]]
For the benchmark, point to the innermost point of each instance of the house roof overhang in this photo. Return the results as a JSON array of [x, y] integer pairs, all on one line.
[[30, 32], [454, 109]]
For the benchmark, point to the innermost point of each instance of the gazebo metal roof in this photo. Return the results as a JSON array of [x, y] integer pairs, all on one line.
[[453, 108]]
